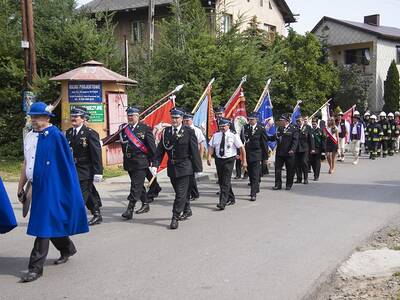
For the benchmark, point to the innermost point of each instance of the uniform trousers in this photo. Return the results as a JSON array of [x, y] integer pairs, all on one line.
[[289, 162], [181, 188], [138, 191], [41, 249], [254, 168], [315, 161], [224, 171], [90, 195], [301, 165]]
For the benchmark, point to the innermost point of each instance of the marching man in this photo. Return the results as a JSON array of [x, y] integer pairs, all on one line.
[[180, 144], [86, 150], [138, 147], [225, 145], [57, 208], [357, 136], [7, 217]]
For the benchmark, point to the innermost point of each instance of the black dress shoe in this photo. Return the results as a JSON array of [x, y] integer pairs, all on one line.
[[97, 219], [237, 177], [288, 188], [297, 181], [231, 202], [30, 276], [144, 209], [305, 181], [128, 214], [315, 178], [275, 188], [253, 198], [174, 223], [186, 215], [62, 260], [220, 206]]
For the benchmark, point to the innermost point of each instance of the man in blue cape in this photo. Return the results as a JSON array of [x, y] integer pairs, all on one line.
[[7, 217], [57, 208]]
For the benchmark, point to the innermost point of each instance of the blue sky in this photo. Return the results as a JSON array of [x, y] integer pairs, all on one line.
[[311, 11]]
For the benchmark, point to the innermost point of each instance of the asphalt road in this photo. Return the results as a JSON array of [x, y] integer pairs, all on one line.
[[279, 247]]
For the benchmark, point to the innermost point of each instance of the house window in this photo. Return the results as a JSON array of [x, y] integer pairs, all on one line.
[[398, 55], [227, 23], [357, 56], [269, 28], [137, 32]]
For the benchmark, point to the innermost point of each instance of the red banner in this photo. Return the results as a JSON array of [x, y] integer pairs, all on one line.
[[158, 119], [348, 115], [212, 126], [236, 109]]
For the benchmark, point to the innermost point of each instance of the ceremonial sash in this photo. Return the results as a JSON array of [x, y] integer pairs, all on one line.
[[331, 136], [135, 141]]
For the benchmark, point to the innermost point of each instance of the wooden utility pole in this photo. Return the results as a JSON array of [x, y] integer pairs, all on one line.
[[151, 26], [28, 40], [25, 45]]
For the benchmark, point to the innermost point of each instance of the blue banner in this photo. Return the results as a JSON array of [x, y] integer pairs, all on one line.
[[266, 118], [85, 91]]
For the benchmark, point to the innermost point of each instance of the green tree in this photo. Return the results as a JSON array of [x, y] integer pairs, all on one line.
[[65, 37], [12, 76], [300, 73], [392, 89], [353, 88]]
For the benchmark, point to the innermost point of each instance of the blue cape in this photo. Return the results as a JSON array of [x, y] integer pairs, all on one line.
[[7, 217], [57, 207]]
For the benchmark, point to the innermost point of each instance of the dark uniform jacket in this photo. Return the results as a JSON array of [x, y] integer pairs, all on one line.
[[86, 150], [374, 132], [386, 129], [319, 139], [183, 152], [255, 142], [287, 140], [306, 139], [134, 158]]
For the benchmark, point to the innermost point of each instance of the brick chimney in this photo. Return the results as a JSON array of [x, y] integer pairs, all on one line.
[[372, 20]]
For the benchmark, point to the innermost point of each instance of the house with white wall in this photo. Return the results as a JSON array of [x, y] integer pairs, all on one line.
[[367, 44]]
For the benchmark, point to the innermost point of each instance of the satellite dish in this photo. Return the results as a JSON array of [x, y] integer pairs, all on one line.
[[367, 55]]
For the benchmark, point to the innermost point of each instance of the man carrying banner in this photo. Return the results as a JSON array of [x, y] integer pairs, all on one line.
[[138, 148], [287, 137], [344, 129], [57, 208], [319, 141], [225, 145], [180, 144], [254, 137], [357, 136], [86, 150], [305, 147]]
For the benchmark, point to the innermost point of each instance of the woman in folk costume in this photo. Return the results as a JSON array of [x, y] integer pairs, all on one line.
[[331, 147], [7, 217], [57, 208]]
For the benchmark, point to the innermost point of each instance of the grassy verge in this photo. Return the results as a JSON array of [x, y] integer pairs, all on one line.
[[110, 172], [10, 169]]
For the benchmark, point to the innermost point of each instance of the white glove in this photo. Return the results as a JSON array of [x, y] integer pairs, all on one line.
[[97, 178], [153, 171], [198, 174]]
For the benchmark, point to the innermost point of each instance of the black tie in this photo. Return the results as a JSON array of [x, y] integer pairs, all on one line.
[[175, 131], [222, 146], [74, 134]]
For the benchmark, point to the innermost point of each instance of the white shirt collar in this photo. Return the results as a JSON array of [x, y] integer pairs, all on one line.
[[179, 128], [78, 129]]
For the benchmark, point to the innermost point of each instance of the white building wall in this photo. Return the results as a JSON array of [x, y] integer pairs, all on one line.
[[386, 52], [250, 8]]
